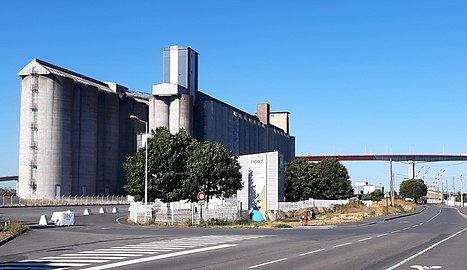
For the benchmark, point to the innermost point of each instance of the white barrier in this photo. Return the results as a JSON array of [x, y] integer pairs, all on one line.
[[115, 210], [87, 212], [63, 218], [102, 210], [43, 220]]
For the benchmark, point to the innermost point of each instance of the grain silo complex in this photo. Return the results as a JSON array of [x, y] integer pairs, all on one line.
[[76, 131]]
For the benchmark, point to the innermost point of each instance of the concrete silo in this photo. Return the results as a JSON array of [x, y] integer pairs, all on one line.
[[45, 150]]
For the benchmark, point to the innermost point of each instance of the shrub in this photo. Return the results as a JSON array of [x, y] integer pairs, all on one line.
[[282, 225]]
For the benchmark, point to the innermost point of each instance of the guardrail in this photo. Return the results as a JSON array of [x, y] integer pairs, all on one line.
[[9, 201]]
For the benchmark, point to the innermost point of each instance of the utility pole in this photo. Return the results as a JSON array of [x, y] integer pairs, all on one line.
[[462, 193], [392, 182]]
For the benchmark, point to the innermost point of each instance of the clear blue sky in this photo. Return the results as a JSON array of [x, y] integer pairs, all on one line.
[[357, 76]]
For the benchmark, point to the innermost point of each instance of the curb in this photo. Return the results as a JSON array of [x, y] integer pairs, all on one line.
[[404, 215]]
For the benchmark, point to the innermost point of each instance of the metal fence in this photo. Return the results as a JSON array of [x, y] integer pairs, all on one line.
[[291, 206], [7, 201], [181, 212]]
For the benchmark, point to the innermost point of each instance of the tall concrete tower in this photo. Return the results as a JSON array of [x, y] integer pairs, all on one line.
[[172, 101]]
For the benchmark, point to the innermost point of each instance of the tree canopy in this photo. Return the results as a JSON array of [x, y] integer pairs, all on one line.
[[327, 179], [376, 195], [180, 166], [413, 188]]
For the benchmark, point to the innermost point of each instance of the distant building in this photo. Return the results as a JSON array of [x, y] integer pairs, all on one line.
[[363, 188], [75, 131]]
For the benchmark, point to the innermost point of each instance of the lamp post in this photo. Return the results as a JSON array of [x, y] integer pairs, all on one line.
[[134, 117]]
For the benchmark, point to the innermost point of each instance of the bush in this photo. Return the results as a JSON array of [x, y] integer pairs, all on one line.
[[291, 220], [282, 225], [242, 221], [218, 222]]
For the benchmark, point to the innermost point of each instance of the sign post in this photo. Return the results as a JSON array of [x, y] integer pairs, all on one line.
[[201, 197]]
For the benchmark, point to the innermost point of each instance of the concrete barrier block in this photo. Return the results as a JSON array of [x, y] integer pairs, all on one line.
[[115, 210], [43, 220], [102, 210], [87, 212]]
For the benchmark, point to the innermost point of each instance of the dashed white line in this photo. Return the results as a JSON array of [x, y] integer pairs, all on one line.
[[266, 263], [383, 234], [396, 231], [311, 252], [341, 245], [406, 228], [365, 239]]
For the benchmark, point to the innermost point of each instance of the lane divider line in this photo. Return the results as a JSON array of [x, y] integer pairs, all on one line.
[[365, 239], [396, 231], [341, 245], [311, 252], [266, 263]]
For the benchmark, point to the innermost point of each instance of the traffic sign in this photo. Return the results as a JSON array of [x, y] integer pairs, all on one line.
[[201, 196]]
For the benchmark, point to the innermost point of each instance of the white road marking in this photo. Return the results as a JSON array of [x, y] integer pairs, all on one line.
[[266, 263], [414, 226], [406, 228], [434, 216], [396, 231], [90, 253], [365, 239], [425, 250], [421, 224], [383, 234], [119, 221], [109, 250], [32, 264], [158, 257], [86, 257], [311, 252], [341, 245], [107, 253], [65, 260]]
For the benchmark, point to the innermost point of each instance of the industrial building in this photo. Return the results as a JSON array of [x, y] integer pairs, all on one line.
[[76, 131]]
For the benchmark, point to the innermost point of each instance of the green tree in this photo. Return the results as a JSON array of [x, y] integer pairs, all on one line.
[[413, 188], [333, 180], [177, 167], [376, 195], [7, 192], [167, 157], [298, 177], [458, 197], [327, 179], [212, 169]]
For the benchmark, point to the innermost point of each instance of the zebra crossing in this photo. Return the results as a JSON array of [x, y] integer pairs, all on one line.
[[112, 257]]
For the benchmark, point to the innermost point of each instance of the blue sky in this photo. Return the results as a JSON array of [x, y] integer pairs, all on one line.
[[357, 76]]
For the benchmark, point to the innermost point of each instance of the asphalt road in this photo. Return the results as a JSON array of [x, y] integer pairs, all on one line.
[[432, 239]]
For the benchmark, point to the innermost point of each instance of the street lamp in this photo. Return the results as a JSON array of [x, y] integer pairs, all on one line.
[[134, 117]]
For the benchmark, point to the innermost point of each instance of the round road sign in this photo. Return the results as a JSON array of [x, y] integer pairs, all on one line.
[[201, 196]]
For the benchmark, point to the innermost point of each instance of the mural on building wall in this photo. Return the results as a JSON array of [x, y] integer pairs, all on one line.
[[257, 200]]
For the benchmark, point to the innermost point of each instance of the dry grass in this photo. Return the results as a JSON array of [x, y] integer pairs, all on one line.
[[14, 229]]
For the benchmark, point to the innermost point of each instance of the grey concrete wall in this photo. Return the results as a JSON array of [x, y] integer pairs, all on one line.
[[128, 129], [87, 169], [186, 113], [107, 144], [54, 121], [24, 168], [159, 112], [240, 132], [174, 114]]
